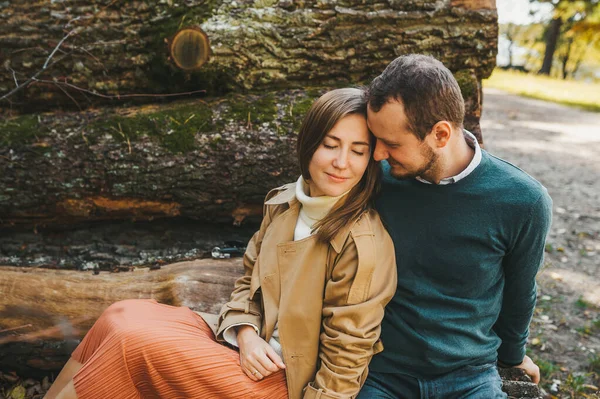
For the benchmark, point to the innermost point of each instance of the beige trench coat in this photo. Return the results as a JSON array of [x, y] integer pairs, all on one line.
[[327, 298]]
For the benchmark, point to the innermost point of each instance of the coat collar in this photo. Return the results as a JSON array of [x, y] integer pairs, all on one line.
[[287, 195]]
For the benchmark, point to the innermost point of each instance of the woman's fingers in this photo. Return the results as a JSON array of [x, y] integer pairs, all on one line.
[[257, 357], [266, 364], [275, 358], [259, 364], [254, 375], [255, 364]]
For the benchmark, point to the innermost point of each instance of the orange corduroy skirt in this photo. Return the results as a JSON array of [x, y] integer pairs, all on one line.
[[143, 349]]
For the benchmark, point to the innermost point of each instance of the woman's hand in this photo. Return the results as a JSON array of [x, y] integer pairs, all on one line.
[[257, 358]]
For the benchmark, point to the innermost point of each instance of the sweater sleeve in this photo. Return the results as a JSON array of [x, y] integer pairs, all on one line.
[[521, 265]]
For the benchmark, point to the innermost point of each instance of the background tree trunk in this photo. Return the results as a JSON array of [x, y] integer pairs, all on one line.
[[552, 35]]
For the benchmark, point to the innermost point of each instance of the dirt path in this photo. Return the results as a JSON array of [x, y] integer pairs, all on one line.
[[559, 146]]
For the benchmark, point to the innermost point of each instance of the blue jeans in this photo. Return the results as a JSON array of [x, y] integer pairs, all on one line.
[[468, 382]]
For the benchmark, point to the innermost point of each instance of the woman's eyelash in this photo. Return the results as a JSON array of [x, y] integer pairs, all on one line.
[[331, 147]]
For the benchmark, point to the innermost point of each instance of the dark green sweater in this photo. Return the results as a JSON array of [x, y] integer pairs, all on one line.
[[467, 256]]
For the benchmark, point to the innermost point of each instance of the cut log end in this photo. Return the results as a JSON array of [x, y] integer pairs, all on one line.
[[189, 49]]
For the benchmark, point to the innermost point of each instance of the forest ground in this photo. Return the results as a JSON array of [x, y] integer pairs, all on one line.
[[560, 147]]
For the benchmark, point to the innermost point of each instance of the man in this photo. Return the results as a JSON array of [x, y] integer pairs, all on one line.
[[469, 231]]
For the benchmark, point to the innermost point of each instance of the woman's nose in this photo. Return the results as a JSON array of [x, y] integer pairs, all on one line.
[[341, 160]]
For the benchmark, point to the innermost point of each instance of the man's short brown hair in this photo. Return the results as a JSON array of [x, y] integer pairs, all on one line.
[[426, 89]]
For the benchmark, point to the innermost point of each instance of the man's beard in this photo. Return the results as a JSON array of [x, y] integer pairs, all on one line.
[[427, 167]]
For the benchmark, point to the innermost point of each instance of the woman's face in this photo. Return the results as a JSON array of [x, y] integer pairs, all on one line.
[[341, 159]]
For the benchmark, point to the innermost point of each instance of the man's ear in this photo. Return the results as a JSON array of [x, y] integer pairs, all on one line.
[[441, 132]]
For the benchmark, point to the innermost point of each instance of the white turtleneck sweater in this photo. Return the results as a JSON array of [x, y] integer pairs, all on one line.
[[312, 210]]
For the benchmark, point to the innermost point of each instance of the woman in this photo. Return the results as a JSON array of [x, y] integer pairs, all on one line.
[[305, 316]]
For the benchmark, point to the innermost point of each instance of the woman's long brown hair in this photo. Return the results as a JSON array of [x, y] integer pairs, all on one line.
[[320, 119]]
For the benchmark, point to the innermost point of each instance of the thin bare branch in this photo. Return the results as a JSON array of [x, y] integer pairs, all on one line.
[[15, 77], [68, 95], [57, 47], [31, 79], [120, 96]]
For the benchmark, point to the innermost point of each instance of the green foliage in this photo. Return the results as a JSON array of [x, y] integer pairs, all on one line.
[[547, 369], [582, 303], [575, 386], [579, 37], [594, 363]]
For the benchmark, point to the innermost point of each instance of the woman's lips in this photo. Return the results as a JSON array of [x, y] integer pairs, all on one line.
[[337, 179]]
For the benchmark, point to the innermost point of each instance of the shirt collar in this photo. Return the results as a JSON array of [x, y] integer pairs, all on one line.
[[472, 142]]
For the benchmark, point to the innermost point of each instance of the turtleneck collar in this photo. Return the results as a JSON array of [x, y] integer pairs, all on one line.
[[313, 208]]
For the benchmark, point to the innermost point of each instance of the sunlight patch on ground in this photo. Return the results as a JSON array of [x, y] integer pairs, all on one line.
[[577, 282], [533, 147], [574, 133]]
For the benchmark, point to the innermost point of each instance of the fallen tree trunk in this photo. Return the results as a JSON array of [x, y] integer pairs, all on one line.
[[210, 160], [40, 327], [123, 48], [44, 313]]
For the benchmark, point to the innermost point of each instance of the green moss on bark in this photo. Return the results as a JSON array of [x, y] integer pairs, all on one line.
[[176, 128], [254, 110], [297, 109], [21, 131], [467, 82]]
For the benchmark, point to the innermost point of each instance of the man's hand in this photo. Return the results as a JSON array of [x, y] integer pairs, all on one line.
[[531, 369], [257, 358]]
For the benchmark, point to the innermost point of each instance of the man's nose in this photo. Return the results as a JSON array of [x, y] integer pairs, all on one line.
[[380, 152]]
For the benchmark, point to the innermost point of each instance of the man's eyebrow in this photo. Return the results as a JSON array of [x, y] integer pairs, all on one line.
[[354, 142], [388, 142]]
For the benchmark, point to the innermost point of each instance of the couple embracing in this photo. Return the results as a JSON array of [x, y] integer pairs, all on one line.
[[401, 264]]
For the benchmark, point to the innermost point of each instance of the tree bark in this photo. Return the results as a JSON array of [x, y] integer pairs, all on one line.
[[119, 48], [211, 160], [565, 59], [552, 35], [40, 327]]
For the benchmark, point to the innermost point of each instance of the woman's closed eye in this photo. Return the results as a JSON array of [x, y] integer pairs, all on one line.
[[332, 147]]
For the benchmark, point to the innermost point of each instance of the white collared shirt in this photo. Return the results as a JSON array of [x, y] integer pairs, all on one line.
[[472, 142]]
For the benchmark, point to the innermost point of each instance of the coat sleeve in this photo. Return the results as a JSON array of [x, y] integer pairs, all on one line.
[[241, 309], [362, 282]]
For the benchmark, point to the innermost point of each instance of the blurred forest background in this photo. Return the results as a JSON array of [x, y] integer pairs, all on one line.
[[558, 41]]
